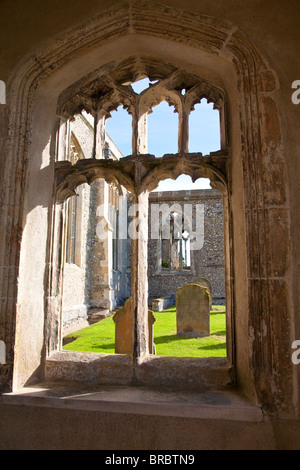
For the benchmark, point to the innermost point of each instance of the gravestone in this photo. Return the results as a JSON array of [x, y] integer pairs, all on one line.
[[192, 311], [123, 329]]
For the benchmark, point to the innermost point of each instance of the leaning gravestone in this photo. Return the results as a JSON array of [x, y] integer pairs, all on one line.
[[123, 329], [192, 311]]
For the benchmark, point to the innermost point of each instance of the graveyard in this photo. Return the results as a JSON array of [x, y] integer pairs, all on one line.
[[100, 337]]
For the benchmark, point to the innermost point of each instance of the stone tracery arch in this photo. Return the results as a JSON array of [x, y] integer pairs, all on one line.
[[264, 189]]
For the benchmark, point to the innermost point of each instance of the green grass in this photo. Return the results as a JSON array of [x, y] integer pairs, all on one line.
[[100, 337], [169, 344]]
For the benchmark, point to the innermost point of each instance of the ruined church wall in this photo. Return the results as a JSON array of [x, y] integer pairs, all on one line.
[[91, 281], [207, 262], [76, 275]]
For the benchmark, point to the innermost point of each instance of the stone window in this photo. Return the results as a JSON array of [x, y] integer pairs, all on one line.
[[162, 138], [191, 58], [175, 244], [141, 172], [204, 128], [119, 127]]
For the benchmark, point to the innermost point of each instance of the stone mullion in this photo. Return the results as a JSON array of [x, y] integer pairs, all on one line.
[[142, 134], [54, 290], [99, 135], [134, 133], [183, 130], [223, 130], [62, 152], [140, 278], [139, 271]]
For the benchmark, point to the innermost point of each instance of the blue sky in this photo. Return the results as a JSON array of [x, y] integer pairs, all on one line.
[[204, 134]]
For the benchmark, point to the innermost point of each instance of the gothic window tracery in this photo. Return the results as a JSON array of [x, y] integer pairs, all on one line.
[[140, 172], [105, 95]]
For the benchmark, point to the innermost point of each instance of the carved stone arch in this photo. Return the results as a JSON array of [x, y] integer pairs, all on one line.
[[172, 166], [105, 90], [155, 95], [262, 187], [86, 171]]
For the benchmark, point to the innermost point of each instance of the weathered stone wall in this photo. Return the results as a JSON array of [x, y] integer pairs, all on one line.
[[107, 283], [76, 275], [95, 283], [207, 262], [253, 57], [47, 49], [92, 281]]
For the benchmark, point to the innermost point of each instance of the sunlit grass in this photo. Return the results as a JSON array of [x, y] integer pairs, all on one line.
[[169, 344], [100, 337]]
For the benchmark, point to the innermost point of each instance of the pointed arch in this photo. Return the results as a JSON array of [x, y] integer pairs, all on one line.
[[261, 187]]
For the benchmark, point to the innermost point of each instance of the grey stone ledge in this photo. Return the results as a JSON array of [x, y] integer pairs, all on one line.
[[225, 405]]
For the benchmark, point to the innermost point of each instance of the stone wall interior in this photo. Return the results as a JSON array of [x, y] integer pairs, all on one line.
[[70, 196]]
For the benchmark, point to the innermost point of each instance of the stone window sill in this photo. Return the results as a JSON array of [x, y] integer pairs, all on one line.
[[196, 388], [117, 369], [220, 405]]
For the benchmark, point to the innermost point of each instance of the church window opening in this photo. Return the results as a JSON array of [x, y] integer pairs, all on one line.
[[204, 128], [189, 251], [175, 244], [141, 118], [162, 130], [118, 131]]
